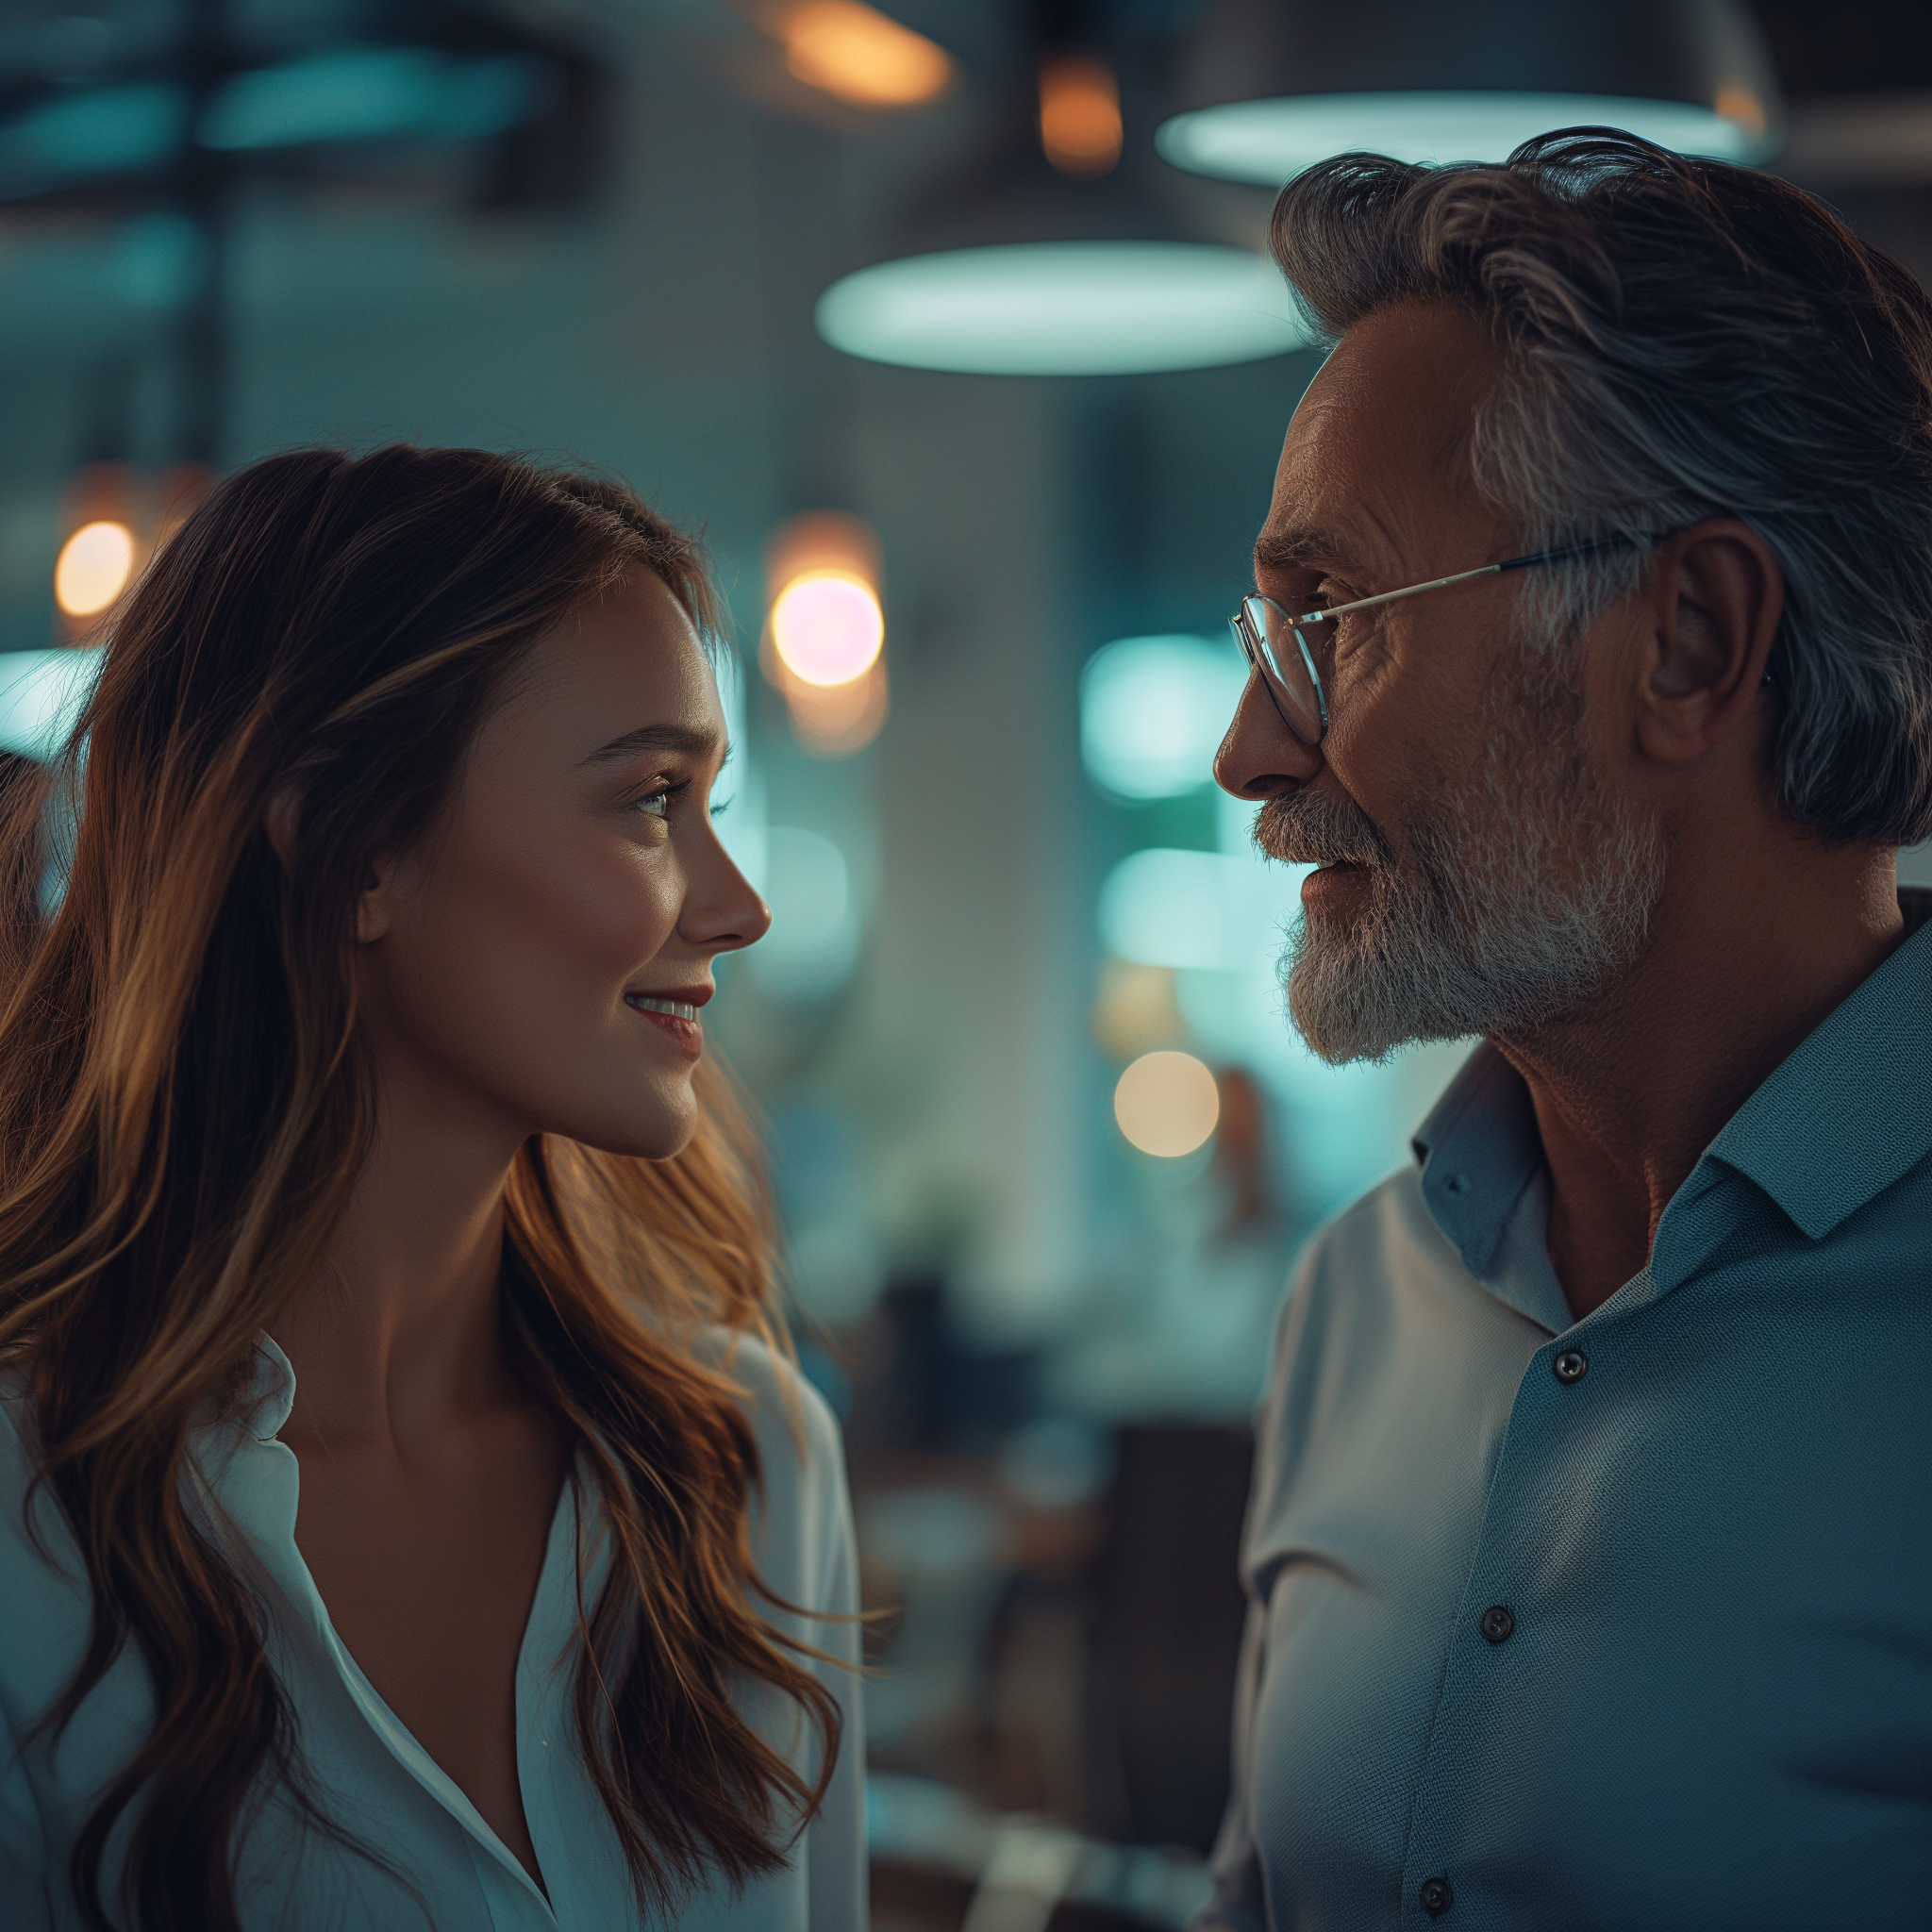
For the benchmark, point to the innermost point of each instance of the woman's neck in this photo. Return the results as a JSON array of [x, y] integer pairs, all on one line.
[[396, 1331]]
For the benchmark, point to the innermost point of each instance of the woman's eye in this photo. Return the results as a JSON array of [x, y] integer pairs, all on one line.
[[655, 804]]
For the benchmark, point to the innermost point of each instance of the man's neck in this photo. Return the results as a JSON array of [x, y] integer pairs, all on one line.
[[1739, 967]]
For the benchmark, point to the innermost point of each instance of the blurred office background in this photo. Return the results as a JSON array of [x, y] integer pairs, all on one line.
[[976, 392]]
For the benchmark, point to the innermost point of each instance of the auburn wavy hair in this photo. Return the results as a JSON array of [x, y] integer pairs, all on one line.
[[184, 1110]]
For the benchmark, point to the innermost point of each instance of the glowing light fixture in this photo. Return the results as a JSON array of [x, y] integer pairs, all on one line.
[[1167, 1103], [827, 628], [1269, 141], [1270, 89], [93, 567], [826, 632], [1079, 114], [858, 53], [1064, 308]]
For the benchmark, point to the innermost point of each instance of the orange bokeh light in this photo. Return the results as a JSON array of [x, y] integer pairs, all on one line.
[[1079, 114], [93, 567], [858, 53]]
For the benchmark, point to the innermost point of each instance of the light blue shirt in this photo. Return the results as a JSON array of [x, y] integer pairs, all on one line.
[[365, 1769], [1620, 1624]]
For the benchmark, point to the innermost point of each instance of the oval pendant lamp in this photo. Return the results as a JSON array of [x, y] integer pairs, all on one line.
[[1082, 264], [1273, 86]]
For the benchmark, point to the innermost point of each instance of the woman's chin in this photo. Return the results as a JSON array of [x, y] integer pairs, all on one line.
[[658, 1127]]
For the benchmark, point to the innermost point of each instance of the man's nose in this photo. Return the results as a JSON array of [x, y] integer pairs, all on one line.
[[1260, 757]]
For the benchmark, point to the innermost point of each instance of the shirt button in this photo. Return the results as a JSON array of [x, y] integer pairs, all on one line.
[[1498, 1624], [1572, 1365], [1435, 1896]]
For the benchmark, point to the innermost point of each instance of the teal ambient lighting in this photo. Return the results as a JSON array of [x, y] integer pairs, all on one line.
[[104, 131], [1269, 141], [1165, 906], [1063, 308], [42, 694], [369, 94], [1153, 710]]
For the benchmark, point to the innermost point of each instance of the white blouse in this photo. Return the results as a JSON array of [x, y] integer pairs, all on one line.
[[448, 1870]]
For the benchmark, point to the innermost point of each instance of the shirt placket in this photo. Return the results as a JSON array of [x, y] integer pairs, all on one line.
[[1499, 1602]]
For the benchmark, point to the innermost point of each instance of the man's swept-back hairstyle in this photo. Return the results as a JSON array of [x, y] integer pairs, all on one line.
[[183, 1109], [1683, 339]]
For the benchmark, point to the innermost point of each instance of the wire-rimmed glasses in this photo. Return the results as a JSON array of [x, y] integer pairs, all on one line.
[[1284, 648]]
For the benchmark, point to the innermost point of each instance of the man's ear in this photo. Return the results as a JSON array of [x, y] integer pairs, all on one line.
[[280, 819], [1717, 597]]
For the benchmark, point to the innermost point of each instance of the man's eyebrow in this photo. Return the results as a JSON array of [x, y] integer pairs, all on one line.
[[1295, 547], [690, 740]]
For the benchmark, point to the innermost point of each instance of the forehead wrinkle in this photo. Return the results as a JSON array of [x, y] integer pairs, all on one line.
[[1361, 545]]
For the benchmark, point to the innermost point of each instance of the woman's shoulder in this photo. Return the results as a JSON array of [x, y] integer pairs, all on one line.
[[802, 1519], [42, 1580], [797, 1432]]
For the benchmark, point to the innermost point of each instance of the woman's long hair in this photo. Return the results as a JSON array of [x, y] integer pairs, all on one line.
[[184, 1110]]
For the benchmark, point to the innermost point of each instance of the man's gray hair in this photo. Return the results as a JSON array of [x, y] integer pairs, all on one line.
[[1682, 340]]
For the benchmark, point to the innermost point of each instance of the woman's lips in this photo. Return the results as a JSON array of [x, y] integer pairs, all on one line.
[[678, 1018]]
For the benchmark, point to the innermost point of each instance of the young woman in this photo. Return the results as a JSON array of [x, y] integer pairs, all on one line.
[[405, 1518]]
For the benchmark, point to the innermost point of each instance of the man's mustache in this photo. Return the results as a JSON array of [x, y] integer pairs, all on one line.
[[1308, 827]]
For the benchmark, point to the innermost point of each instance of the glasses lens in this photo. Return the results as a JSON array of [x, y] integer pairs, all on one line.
[[1287, 662]]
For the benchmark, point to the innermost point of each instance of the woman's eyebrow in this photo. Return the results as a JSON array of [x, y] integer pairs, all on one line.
[[691, 741]]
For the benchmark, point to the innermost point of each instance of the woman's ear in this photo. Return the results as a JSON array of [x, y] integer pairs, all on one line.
[[280, 819], [371, 906]]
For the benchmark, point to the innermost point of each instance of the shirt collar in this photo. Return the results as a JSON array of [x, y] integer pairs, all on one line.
[[1480, 1150], [271, 1392], [1850, 1110], [1840, 1119]]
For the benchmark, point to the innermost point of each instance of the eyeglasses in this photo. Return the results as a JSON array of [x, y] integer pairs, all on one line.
[[1283, 648]]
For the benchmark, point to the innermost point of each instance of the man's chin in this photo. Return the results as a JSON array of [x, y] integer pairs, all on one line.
[[1339, 997]]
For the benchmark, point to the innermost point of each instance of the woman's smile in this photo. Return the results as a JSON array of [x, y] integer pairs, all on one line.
[[678, 1017]]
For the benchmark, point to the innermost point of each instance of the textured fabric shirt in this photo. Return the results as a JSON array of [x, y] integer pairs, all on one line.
[[1620, 1624], [451, 1872]]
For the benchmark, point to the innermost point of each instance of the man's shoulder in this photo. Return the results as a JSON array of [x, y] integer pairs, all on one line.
[[1356, 1288], [1381, 1237]]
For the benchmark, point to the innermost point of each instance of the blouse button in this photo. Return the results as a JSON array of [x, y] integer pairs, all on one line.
[[1435, 1896], [1572, 1365]]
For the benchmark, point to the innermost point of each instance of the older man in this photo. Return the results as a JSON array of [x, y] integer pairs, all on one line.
[[1590, 1548]]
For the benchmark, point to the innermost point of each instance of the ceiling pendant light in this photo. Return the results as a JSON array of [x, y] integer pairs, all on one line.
[[1060, 255], [1274, 87]]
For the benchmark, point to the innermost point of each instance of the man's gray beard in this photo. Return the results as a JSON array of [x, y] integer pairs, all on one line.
[[1525, 895]]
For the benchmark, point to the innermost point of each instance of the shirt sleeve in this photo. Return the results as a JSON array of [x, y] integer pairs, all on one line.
[[802, 1534], [1239, 1901], [23, 1845], [1237, 1904], [31, 1674], [837, 1870]]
